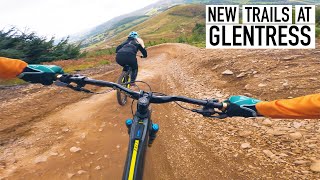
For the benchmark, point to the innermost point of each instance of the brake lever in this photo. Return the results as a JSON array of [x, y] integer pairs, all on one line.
[[204, 112], [61, 84], [208, 112], [75, 88], [220, 116], [79, 88]]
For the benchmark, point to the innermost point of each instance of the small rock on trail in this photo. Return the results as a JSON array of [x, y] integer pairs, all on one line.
[[40, 159], [245, 145], [81, 172], [269, 154], [227, 72], [241, 75], [315, 166], [75, 149], [245, 133], [295, 136], [267, 122], [70, 175]]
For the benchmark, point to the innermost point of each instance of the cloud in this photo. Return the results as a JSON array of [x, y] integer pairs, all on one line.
[[63, 17]]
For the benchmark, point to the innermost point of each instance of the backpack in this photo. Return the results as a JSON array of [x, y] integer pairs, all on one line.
[[130, 46]]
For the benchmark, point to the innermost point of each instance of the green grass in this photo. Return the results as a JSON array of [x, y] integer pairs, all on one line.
[[152, 12], [127, 20], [10, 82], [166, 26], [80, 67], [116, 29], [103, 62], [100, 52], [188, 11]]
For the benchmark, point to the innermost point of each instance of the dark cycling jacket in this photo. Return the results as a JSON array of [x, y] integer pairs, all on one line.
[[131, 46]]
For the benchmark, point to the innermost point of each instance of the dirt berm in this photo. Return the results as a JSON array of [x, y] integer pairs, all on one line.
[[42, 127]]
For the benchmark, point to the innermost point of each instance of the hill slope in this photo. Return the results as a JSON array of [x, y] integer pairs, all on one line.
[[178, 21], [147, 11], [98, 33]]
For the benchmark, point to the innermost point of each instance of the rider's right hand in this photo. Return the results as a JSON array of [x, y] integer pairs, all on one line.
[[44, 74], [241, 106]]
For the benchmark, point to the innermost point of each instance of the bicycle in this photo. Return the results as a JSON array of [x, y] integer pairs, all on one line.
[[125, 80], [142, 131]]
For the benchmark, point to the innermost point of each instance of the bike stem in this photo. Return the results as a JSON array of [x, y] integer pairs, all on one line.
[[143, 104]]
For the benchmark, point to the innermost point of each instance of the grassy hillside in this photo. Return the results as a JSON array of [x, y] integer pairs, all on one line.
[[148, 11], [115, 29], [109, 29], [177, 22]]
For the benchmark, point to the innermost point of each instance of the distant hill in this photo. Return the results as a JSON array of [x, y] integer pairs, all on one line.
[[114, 29], [119, 26], [147, 11], [177, 21]]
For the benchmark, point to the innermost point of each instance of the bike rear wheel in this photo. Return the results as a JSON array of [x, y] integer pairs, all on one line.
[[124, 78]]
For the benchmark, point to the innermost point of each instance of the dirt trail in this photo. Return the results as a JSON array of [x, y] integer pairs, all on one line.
[[36, 143], [95, 124]]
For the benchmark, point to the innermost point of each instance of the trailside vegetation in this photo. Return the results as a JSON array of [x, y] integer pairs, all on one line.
[[34, 49], [196, 38]]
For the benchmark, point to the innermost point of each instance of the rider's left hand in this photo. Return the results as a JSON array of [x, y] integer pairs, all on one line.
[[44, 74]]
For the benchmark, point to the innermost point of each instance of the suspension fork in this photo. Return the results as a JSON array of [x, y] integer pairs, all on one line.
[[144, 111], [139, 130]]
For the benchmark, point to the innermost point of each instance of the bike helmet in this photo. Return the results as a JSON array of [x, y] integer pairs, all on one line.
[[133, 34]]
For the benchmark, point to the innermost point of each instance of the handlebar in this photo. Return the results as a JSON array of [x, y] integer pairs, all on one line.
[[209, 105]]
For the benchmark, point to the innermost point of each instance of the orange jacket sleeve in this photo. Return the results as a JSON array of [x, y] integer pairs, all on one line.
[[305, 107], [10, 68]]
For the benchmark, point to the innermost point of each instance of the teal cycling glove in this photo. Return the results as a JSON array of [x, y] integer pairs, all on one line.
[[241, 106], [44, 74]]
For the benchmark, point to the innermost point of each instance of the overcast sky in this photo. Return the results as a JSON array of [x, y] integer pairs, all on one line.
[[63, 17]]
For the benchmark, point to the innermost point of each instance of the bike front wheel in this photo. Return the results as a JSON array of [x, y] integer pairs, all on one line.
[[122, 97]]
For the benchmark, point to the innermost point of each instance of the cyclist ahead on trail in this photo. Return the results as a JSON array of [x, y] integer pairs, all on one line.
[[127, 52], [305, 107]]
